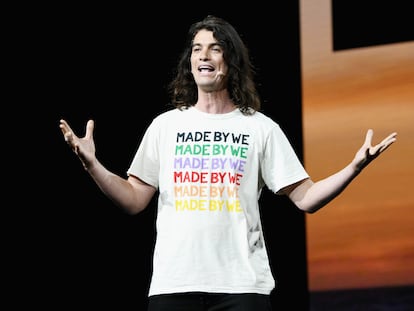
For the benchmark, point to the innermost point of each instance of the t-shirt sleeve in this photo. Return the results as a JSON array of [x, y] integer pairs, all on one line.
[[280, 165], [145, 164]]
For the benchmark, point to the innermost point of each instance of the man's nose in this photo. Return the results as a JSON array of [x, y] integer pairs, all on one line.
[[204, 55]]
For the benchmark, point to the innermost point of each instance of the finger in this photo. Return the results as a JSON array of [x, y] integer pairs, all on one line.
[[67, 131], [68, 137], [71, 141], [89, 129], [384, 147], [387, 143], [390, 138], [368, 137], [64, 126]]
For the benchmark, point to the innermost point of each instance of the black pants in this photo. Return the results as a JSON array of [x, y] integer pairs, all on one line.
[[209, 302]]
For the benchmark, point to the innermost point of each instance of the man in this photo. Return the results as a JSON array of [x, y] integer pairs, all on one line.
[[209, 159]]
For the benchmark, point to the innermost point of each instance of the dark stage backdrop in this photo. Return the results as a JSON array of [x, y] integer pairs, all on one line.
[[112, 64]]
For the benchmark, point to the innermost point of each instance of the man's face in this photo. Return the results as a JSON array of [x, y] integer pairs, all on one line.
[[207, 63]]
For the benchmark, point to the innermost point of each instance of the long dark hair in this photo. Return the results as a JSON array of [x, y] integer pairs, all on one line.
[[241, 86]]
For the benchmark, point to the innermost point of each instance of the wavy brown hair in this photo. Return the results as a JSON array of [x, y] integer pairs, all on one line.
[[241, 86]]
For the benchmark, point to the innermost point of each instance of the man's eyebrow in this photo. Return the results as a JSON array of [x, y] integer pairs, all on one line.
[[210, 44]]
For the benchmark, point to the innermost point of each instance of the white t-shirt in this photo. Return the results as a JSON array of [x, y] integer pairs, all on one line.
[[210, 170]]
